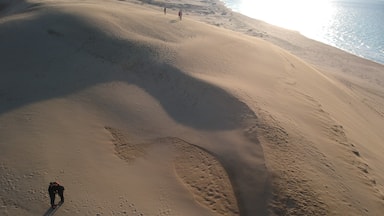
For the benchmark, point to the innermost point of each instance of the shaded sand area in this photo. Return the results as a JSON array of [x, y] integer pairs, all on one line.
[[138, 113]]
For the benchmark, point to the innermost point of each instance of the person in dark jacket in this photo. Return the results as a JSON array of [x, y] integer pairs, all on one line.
[[53, 189], [180, 14]]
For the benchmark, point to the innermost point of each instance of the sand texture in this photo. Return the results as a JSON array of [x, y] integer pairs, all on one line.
[[136, 112]]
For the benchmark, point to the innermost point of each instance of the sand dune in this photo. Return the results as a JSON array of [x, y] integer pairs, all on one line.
[[138, 113]]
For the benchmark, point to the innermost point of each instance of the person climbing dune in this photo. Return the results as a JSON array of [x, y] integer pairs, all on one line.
[[180, 14]]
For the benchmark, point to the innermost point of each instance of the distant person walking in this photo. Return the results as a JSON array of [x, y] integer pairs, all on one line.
[[53, 189], [180, 14], [165, 10]]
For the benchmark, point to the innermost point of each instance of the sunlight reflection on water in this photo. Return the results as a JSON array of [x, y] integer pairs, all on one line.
[[308, 17], [356, 27]]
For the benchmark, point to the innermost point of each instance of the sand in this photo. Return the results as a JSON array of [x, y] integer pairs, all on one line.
[[135, 112]]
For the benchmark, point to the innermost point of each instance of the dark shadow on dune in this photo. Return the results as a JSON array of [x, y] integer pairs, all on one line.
[[3, 6], [57, 55], [8, 7], [50, 211]]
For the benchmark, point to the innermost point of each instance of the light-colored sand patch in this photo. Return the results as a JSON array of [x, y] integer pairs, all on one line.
[[197, 169], [291, 192], [125, 149], [205, 177]]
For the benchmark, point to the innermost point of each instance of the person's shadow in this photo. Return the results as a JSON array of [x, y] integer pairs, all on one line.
[[52, 211]]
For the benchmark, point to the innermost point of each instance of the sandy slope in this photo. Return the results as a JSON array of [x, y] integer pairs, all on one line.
[[138, 113]]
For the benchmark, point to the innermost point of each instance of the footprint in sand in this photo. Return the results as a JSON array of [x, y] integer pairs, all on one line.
[[199, 171]]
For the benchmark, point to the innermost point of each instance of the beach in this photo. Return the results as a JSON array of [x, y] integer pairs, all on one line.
[[138, 112]]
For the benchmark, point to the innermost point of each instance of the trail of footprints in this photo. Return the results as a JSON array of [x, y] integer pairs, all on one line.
[[199, 171]]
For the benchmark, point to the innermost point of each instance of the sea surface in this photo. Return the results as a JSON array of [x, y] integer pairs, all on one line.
[[356, 26]]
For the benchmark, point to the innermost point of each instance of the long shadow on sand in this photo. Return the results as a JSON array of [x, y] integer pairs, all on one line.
[[54, 55], [52, 211]]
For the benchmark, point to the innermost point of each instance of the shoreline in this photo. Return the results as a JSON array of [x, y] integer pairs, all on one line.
[[351, 50], [322, 56]]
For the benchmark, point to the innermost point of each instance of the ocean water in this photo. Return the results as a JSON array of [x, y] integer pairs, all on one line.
[[356, 26]]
